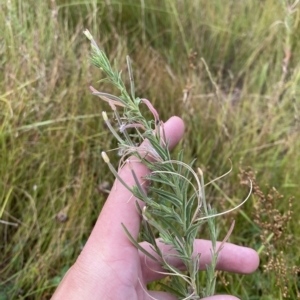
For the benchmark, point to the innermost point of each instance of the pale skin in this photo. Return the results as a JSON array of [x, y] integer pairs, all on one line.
[[110, 266]]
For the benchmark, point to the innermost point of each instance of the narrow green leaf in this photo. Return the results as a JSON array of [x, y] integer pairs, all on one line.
[[166, 195], [137, 245], [172, 290]]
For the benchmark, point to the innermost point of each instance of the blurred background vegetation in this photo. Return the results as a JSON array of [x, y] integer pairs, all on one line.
[[230, 69]]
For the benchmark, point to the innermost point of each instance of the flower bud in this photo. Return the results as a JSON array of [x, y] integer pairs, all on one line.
[[105, 157], [104, 115]]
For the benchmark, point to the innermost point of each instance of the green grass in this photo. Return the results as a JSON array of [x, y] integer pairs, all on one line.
[[242, 106]]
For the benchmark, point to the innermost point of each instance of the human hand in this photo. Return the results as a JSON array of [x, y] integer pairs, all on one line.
[[111, 267]]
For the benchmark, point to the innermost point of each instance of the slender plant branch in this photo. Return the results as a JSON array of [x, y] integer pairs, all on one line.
[[175, 205]]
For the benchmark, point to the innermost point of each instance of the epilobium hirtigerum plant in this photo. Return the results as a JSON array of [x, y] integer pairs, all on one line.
[[175, 205]]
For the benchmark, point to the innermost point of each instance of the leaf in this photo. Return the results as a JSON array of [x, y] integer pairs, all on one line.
[[137, 245], [159, 179], [190, 209], [172, 290], [191, 233], [173, 229], [173, 199], [154, 143]]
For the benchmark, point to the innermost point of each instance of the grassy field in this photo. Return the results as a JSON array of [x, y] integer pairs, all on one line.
[[230, 69]]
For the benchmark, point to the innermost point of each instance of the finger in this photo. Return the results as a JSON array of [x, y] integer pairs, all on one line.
[[232, 258], [221, 297], [160, 296], [166, 296], [120, 205]]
